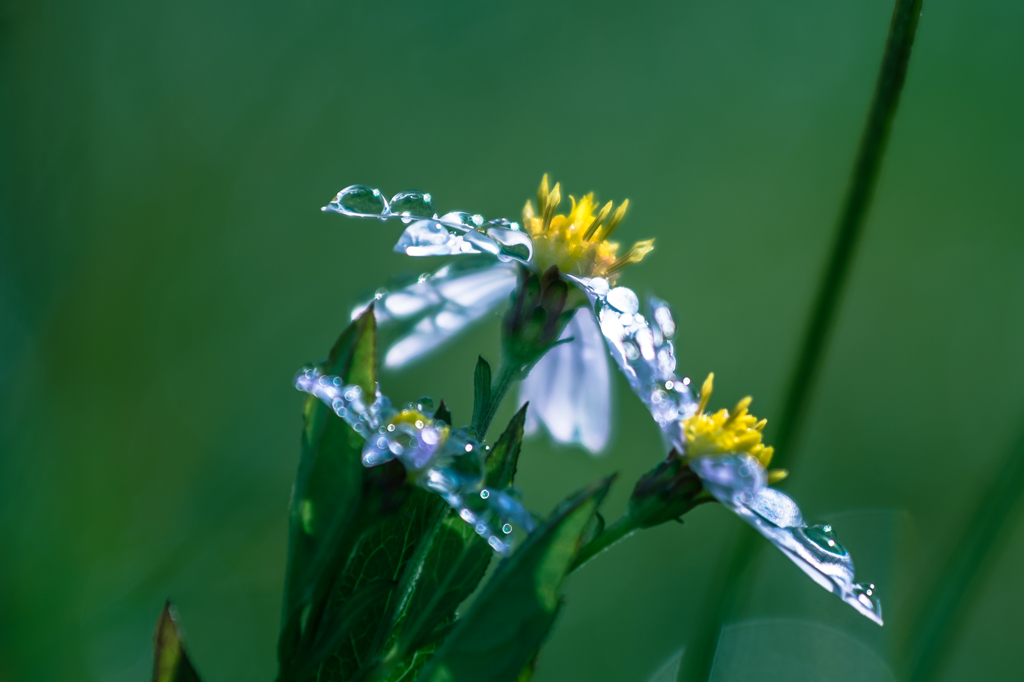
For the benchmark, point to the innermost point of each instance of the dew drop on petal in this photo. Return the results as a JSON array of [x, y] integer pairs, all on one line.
[[411, 205], [624, 300], [814, 549], [461, 219], [776, 507], [480, 243], [360, 201], [513, 244]]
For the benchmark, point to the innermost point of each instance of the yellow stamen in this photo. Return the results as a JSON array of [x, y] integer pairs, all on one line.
[[578, 242], [617, 217], [724, 431], [635, 254], [705, 392], [419, 420]]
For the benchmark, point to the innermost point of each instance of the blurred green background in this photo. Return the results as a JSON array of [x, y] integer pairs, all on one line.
[[165, 269]]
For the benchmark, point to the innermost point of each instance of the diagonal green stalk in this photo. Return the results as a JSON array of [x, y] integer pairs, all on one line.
[[940, 618], [851, 222], [728, 591], [613, 534]]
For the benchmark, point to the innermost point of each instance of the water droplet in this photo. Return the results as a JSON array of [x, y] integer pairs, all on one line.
[[865, 601], [359, 200], [507, 528], [662, 315], [462, 219], [477, 242], [777, 508], [730, 477], [513, 244], [429, 238], [411, 205], [485, 493], [823, 538], [624, 300], [431, 436]]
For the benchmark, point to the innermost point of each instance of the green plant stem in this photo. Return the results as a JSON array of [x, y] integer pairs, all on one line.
[[617, 531], [942, 614], [726, 594], [873, 143]]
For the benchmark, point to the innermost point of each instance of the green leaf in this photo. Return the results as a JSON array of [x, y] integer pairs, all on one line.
[[504, 457], [170, 662], [458, 558], [343, 621], [443, 414], [500, 634], [481, 393], [328, 487], [386, 552], [451, 570]]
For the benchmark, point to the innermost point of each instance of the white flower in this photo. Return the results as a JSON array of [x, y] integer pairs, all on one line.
[[724, 449], [569, 388], [449, 462]]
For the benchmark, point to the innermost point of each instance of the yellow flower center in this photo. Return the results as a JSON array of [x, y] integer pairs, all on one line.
[[419, 421], [578, 243], [727, 432]]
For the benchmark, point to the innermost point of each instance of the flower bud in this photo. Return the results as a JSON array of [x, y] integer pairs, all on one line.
[[537, 316], [665, 493]]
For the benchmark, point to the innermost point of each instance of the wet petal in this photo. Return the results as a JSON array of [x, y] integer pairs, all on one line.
[[455, 233], [450, 464], [738, 482], [644, 352], [437, 307], [569, 390]]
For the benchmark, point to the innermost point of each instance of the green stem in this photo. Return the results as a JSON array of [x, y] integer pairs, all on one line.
[[851, 222], [618, 530], [942, 614], [727, 593]]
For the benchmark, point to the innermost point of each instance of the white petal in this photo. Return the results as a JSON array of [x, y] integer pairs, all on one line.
[[443, 305], [643, 352], [569, 389], [739, 482]]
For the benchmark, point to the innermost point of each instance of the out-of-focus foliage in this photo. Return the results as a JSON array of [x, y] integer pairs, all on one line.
[[170, 662]]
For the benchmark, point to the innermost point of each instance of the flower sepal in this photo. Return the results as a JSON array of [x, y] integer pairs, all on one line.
[[665, 493], [542, 306]]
